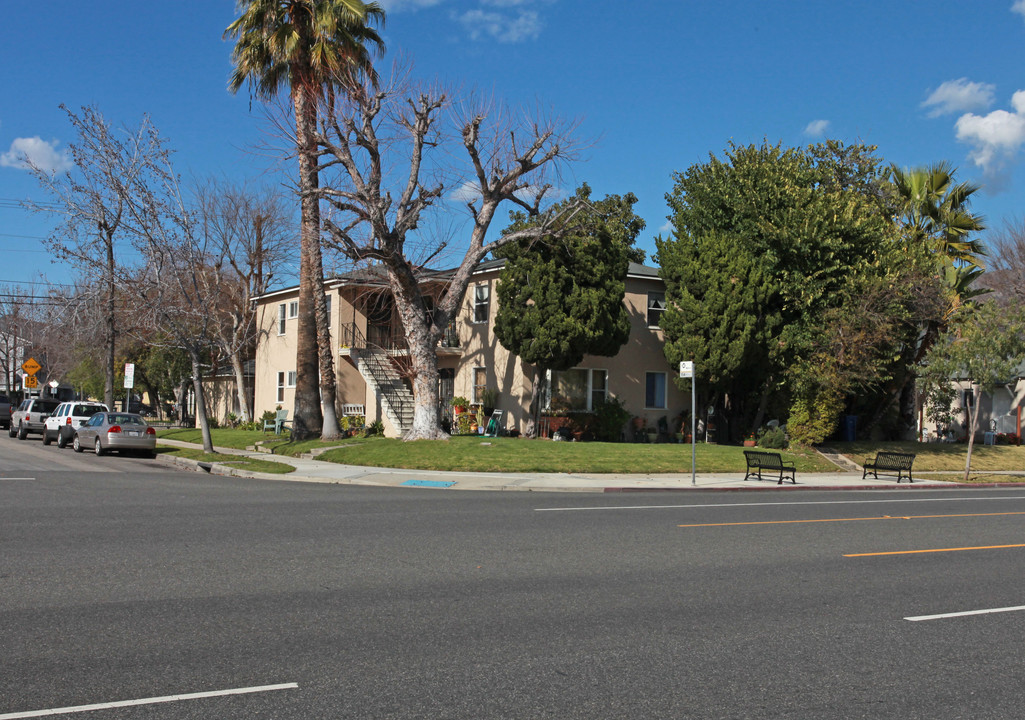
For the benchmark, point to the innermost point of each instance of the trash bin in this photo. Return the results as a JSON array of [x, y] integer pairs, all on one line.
[[850, 428]]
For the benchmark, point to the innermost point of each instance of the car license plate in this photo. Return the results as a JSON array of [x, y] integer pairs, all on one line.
[[133, 433]]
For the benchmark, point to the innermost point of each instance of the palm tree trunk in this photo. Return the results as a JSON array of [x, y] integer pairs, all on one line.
[[307, 415]]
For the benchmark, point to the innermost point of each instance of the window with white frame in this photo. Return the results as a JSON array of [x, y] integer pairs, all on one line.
[[327, 302], [281, 387], [655, 390], [293, 309], [579, 389], [481, 303], [281, 319], [291, 379], [656, 306]]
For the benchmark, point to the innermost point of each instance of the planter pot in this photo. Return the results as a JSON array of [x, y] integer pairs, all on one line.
[[750, 443], [459, 409], [652, 437], [679, 437]]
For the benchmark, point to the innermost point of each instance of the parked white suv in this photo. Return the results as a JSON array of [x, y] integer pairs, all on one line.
[[67, 418]]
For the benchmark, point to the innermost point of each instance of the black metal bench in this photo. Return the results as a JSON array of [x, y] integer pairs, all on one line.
[[758, 460], [889, 463]]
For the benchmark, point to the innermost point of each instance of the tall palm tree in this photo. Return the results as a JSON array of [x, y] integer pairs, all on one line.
[[308, 45], [932, 208]]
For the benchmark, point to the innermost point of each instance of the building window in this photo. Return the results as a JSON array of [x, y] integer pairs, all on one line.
[[281, 319], [480, 383], [293, 309], [291, 379], [656, 306], [655, 390], [281, 387], [327, 303], [579, 389], [481, 301]]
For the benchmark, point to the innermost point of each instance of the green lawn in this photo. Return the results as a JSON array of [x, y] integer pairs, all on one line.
[[235, 461], [475, 454], [942, 456]]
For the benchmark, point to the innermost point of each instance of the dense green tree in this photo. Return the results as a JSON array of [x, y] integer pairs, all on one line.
[[560, 299], [310, 46], [766, 241]]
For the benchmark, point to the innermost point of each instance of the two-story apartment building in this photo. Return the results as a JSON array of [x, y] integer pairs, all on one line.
[[371, 353]]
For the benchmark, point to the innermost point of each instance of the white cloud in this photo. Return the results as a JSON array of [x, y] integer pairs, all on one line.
[[996, 137], [38, 152], [465, 193], [1019, 7], [958, 96], [816, 128], [503, 27], [399, 5]]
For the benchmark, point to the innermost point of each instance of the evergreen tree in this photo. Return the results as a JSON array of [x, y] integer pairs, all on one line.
[[561, 299]]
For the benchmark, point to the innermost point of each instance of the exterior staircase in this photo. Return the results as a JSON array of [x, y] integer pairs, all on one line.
[[383, 378]]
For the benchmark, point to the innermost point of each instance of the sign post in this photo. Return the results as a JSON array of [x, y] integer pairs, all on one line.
[[129, 381], [31, 367], [687, 371]]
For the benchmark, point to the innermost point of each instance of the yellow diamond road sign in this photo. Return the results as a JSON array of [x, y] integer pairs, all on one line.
[[31, 366]]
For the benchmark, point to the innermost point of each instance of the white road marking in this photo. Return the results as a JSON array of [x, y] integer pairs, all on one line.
[[965, 614], [148, 701], [7, 478], [780, 504]]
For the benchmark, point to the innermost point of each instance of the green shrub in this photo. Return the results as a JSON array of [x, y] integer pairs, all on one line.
[[814, 419], [609, 419], [773, 439]]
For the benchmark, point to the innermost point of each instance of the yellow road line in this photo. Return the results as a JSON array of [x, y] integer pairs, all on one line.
[[937, 550], [882, 517]]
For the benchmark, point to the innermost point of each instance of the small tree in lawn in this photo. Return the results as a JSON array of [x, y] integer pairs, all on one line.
[[561, 298], [984, 346]]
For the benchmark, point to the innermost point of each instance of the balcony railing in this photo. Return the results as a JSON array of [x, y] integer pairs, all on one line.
[[352, 337]]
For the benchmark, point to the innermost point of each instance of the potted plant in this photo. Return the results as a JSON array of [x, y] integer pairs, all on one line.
[[488, 400], [459, 404], [750, 440]]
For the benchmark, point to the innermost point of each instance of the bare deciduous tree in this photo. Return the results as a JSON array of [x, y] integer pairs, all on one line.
[[249, 237], [91, 202], [386, 154]]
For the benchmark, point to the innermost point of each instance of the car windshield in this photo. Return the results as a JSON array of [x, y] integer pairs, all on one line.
[[45, 406], [85, 410], [125, 420]]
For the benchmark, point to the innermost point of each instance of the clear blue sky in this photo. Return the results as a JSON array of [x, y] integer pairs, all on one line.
[[656, 86]]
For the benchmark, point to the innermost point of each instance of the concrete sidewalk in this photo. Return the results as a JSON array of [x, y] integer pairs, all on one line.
[[308, 470]]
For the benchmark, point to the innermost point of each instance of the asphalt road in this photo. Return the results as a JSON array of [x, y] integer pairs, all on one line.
[[123, 581]]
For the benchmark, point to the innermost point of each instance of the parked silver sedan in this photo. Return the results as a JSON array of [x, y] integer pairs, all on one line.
[[106, 431]]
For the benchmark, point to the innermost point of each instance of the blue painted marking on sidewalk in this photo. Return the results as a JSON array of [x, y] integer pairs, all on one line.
[[430, 483]]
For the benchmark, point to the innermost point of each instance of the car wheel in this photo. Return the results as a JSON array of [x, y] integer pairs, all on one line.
[[22, 432], [10, 431], [62, 440], [77, 444], [46, 437], [98, 448]]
